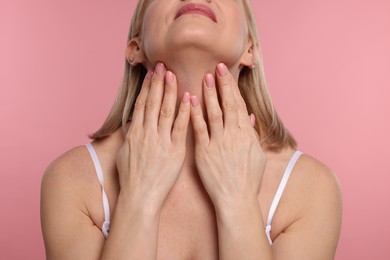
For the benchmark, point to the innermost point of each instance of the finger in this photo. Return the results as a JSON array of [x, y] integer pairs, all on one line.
[[242, 110], [153, 102], [168, 107], [180, 126], [139, 106], [214, 112], [252, 119], [200, 127], [229, 104]]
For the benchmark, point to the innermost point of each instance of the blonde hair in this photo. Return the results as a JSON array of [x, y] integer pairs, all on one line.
[[252, 84]]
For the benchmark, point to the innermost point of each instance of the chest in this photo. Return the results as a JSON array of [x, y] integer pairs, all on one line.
[[187, 228]]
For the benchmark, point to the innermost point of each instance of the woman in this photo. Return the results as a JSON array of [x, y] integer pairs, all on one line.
[[187, 175]]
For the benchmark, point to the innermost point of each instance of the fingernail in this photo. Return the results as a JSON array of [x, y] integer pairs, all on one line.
[[149, 74], [186, 98], [209, 81], [160, 68], [253, 119], [194, 101], [222, 69], [169, 78]]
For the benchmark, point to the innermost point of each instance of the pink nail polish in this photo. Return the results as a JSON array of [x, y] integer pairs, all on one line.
[[253, 119], [222, 69], [149, 74], [194, 101], [160, 68], [209, 81], [186, 98], [169, 78]]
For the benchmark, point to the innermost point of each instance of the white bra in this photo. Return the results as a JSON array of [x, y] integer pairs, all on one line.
[[274, 205], [279, 192], [106, 206]]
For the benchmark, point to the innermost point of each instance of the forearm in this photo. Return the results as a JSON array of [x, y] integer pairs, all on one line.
[[133, 232], [241, 232]]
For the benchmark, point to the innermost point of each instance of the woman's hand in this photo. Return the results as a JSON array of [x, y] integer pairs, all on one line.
[[228, 155], [153, 152]]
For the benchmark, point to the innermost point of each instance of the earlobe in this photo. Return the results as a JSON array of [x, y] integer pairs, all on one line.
[[248, 59], [134, 53]]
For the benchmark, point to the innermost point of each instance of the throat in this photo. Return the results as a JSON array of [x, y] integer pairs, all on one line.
[[190, 71], [190, 65]]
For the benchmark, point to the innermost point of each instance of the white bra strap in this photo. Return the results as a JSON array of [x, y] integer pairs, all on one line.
[[99, 173], [281, 187], [268, 234]]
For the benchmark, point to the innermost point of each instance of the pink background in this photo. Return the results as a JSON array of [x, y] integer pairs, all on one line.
[[327, 64]]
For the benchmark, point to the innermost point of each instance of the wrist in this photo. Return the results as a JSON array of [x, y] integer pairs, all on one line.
[[144, 206], [235, 209]]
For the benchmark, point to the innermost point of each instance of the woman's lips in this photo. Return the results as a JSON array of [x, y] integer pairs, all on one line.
[[196, 9]]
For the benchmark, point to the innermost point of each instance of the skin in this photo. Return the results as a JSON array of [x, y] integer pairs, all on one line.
[[188, 179]]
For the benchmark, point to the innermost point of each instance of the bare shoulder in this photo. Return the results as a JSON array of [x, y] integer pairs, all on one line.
[[310, 176], [316, 177], [67, 186], [69, 170], [317, 187], [67, 181], [313, 204], [75, 170]]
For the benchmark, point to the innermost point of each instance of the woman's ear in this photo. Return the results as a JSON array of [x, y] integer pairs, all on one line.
[[248, 58], [134, 53]]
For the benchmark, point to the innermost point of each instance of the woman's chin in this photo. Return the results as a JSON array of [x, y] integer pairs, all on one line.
[[196, 38], [192, 49]]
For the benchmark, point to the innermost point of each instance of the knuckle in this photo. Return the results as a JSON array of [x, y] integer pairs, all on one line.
[[196, 112], [157, 79], [170, 90], [224, 82], [229, 105], [184, 109], [151, 103], [178, 127], [210, 92], [166, 112], [215, 116], [139, 104], [200, 130]]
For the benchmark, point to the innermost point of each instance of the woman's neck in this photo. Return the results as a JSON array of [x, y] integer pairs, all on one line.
[[190, 70]]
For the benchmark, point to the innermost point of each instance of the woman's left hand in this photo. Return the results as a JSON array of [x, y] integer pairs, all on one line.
[[228, 155]]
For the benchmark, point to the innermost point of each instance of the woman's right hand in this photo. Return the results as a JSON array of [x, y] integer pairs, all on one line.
[[153, 152]]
